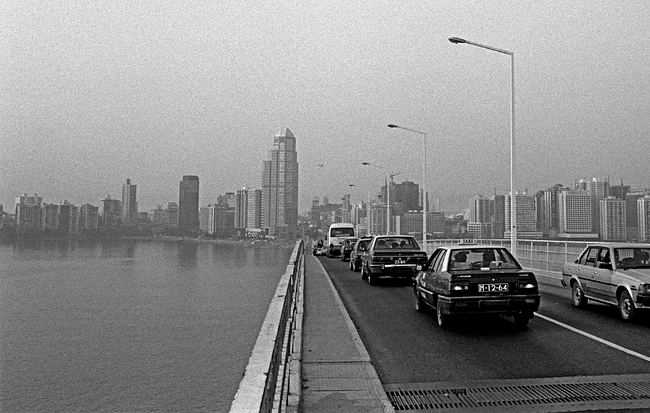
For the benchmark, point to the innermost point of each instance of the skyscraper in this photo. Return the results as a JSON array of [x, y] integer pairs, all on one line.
[[129, 205], [188, 205], [254, 220], [643, 216], [612, 219], [241, 208], [280, 187], [574, 213]]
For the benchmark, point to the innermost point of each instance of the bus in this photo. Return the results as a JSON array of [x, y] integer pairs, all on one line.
[[336, 235]]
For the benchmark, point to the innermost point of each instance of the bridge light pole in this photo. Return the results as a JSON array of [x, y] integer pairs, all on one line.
[[513, 195], [424, 180]]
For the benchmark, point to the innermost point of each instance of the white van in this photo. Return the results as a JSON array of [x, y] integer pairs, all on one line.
[[336, 235]]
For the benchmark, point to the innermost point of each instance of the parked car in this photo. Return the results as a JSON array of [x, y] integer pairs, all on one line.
[[346, 248], [393, 256], [472, 279], [611, 273], [358, 249]]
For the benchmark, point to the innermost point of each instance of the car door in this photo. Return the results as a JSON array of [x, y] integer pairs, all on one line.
[[601, 280], [584, 269], [428, 280]]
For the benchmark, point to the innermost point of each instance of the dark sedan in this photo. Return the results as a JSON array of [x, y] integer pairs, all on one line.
[[358, 250], [346, 248], [471, 279], [392, 256]]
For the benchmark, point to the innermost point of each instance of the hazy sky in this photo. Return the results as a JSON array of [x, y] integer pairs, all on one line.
[[96, 92]]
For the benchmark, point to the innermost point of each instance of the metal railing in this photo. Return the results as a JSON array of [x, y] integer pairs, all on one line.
[[272, 381], [540, 254]]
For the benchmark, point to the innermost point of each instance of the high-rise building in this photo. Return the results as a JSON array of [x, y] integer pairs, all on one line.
[[574, 208], [599, 190], [88, 218], [498, 220], [643, 217], [612, 219], [129, 213], [241, 208], [526, 217], [204, 219], [110, 212], [254, 220], [68, 219], [631, 215], [280, 187], [188, 205], [548, 217], [28, 213], [479, 217]]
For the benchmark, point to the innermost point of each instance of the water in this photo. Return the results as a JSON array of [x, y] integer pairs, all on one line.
[[130, 326]]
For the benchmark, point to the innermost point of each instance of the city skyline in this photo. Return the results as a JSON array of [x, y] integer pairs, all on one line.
[[93, 95]]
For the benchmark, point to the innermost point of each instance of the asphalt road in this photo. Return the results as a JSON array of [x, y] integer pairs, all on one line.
[[409, 347]]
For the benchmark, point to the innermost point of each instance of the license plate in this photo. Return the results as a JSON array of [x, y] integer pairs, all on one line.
[[400, 261], [493, 288]]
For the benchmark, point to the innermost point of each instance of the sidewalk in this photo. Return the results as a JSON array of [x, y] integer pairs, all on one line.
[[337, 373]]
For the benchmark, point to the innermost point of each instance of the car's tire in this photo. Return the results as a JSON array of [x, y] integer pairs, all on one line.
[[441, 319], [626, 306], [522, 319], [578, 296], [420, 306]]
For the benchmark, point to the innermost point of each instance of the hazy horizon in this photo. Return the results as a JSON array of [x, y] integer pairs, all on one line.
[[95, 93]]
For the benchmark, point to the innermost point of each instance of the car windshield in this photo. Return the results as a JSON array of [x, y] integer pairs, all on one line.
[[483, 258], [632, 257], [396, 242], [342, 232]]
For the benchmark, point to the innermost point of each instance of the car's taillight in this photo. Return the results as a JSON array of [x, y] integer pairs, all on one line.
[[462, 286], [527, 284]]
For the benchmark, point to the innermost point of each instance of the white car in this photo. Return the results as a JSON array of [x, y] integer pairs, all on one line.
[[611, 273]]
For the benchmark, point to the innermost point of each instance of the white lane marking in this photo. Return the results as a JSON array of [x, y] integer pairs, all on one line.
[[600, 340]]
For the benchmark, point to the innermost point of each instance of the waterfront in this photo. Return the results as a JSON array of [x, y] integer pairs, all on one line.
[[126, 326]]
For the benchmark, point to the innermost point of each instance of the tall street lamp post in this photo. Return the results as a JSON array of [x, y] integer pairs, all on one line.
[[424, 181], [387, 194], [513, 195]]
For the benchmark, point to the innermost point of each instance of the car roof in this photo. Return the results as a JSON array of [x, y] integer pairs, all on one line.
[[472, 247], [618, 244]]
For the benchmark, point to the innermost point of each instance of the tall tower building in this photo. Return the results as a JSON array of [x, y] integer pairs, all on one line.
[[254, 220], [129, 213], [280, 187], [574, 209], [241, 208], [28, 213], [480, 214], [498, 220], [526, 216], [188, 205], [643, 215], [599, 190], [110, 212], [612, 219]]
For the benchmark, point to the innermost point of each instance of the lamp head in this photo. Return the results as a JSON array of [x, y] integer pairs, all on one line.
[[457, 40]]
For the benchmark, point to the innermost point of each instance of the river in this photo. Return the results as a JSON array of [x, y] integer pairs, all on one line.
[[130, 326]]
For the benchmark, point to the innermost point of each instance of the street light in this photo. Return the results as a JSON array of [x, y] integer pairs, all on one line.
[[513, 196], [387, 194], [424, 181]]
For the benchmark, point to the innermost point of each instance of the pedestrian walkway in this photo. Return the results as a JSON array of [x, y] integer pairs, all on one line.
[[338, 375]]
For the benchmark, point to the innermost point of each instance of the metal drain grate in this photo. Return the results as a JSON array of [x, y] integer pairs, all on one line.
[[437, 397]]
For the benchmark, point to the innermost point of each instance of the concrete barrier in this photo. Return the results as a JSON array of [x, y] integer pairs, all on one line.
[[272, 380]]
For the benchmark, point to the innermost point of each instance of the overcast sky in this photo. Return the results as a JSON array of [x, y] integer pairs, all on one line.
[[93, 93]]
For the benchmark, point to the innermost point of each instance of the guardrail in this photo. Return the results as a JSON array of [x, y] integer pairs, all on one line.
[[540, 254], [272, 380]]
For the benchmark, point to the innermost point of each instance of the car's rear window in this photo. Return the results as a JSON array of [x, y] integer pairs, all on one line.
[[483, 258], [392, 243]]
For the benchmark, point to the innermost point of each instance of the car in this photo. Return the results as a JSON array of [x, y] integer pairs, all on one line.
[[346, 248], [337, 233], [358, 249], [396, 256], [471, 280], [611, 273], [320, 251]]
